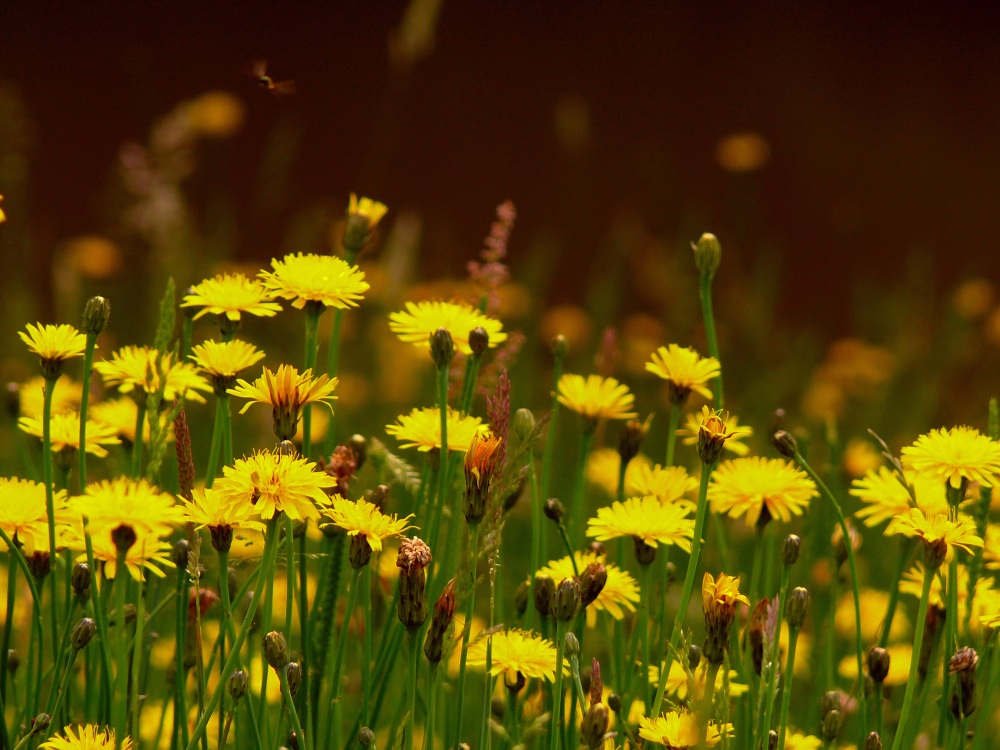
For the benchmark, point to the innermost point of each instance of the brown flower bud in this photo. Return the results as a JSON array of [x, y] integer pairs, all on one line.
[[276, 650], [444, 611], [798, 607], [594, 726], [596, 684], [592, 581], [359, 447], [694, 656], [615, 702], [442, 348], [498, 708], [479, 341], [124, 537], [545, 595], [13, 660], [222, 537], [293, 673], [963, 698], [359, 552], [878, 664], [567, 600], [521, 598], [790, 550], [932, 623], [935, 553], [82, 632], [554, 510], [180, 554], [96, 313], [14, 401], [81, 578], [873, 742], [785, 443], [707, 254], [412, 560], [366, 738], [238, 683], [39, 564]]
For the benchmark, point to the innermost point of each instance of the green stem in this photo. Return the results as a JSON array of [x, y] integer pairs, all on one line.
[[675, 420], [911, 680], [120, 705], [469, 382], [577, 508], [705, 293], [536, 541], [180, 672], [786, 694], [8, 618], [338, 658], [908, 545], [137, 646], [550, 438], [286, 693], [270, 552], [696, 542], [215, 446], [513, 722], [411, 687], [36, 620], [431, 707], [644, 623], [333, 352], [470, 604], [366, 664], [768, 692], [313, 311], [101, 619], [304, 704], [557, 696], [50, 386], [990, 673], [88, 368], [289, 579], [227, 430], [137, 444]]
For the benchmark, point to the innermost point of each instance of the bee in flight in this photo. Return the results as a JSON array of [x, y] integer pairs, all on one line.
[[278, 88]]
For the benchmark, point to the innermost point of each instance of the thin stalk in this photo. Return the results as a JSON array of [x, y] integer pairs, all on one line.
[[432, 696], [786, 694], [550, 437], [411, 687], [536, 541], [470, 603], [908, 545], [333, 352], [313, 312], [265, 627], [911, 680], [270, 552], [180, 672], [286, 693], [215, 446], [513, 723], [708, 699], [557, 696], [334, 667], [708, 315], [137, 444], [88, 368], [8, 617], [289, 579], [304, 704], [36, 623], [699, 530], [990, 672], [227, 430], [120, 706], [325, 606], [469, 382], [767, 689], [187, 327], [137, 645], [101, 620], [50, 386], [644, 623], [674, 423], [366, 664], [577, 508]]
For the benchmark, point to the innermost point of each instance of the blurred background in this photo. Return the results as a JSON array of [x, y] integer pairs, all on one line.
[[845, 156]]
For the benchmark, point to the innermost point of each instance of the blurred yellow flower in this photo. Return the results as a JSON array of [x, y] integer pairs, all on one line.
[[991, 549], [65, 396], [276, 482], [885, 497], [677, 681], [874, 604], [3, 216], [120, 415], [92, 256], [734, 444], [133, 368], [799, 741], [602, 470], [684, 370], [620, 592], [231, 295], [596, 398], [566, 320], [670, 484], [912, 583], [215, 114], [860, 457], [324, 279], [644, 518], [516, 652], [972, 298], [372, 210], [677, 730], [421, 429], [747, 486], [147, 553], [421, 319], [23, 514], [363, 518], [64, 432], [111, 503], [53, 345], [86, 737], [742, 153], [955, 454], [899, 664]]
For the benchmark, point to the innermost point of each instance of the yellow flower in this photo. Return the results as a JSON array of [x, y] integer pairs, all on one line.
[[670, 484], [799, 741], [23, 514], [140, 368], [684, 370], [222, 360], [680, 730], [87, 737], [120, 414], [231, 295], [64, 431], [370, 209], [595, 397], [421, 429], [912, 584], [677, 681], [954, 455], [287, 391], [885, 497], [363, 518], [620, 592], [644, 518], [748, 486], [135, 503], [989, 615], [734, 442], [275, 483], [148, 553], [324, 279], [3, 216], [899, 664], [874, 604], [991, 550], [721, 593], [937, 531], [421, 319], [65, 397], [53, 345], [516, 652], [716, 428], [602, 470], [217, 511], [861, 457]]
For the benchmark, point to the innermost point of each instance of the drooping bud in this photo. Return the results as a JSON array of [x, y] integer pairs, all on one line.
[[442, 348], [785, 443], [799, 601], [878, 664], [412, 560], [554, 510], [567, 601], [592, 581], [479, 341], [963, 698], [82, 632], [275, 650], [81, 578], [238, 683], [545, 595], [790, 550], [444, 611], [707, 254], [96, 313], [293, 673]]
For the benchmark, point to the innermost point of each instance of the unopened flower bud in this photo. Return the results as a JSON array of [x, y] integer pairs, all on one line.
[[873, 742], [798, 607], [545, 595], [712, 436], [840, 544], [521, 598], [442, 348], [498, 707], [359, 552], [707, 254], [238, 683], [560, 347], [790, 550], [785, 443], [963, 698], [444, 611], [592, 581], [878, 664], [644, 553], [82, 632], [359, 447], [830, 701], [81, 578], [293, 740], [567, 599], [40, 723], [572, 644], [293, 673], [180, 554], [932, 622], [95, 315], [772, 740], [524, 424], [366, 738], [482, 465], [554, 510], [39, 564], [14, 401], [276, 650], [596, 689], [412, 560], [124, 537], [935, 553], [594, 726], [830, 726], [615, 703], [694, 656], [222, 537], [630, 441], [13, 660], [479, 341]]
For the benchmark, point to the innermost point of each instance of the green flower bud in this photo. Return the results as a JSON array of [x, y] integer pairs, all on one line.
[[524, 424], [82, 632], [293, 673], [572, 644], [798, 607], [275, 650], [238, 683], [594, 726], [567, 600], [785, 443], [790, 550], [360, 552], [366, 738], [559, 347], [545, 595], [707, 254], [442, 348], [81, 578], [95, 315]]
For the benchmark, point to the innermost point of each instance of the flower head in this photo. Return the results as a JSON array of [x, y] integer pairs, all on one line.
[[287, 391], [53, 345], [274, 483], [955, 455], [135, 503], [222, 360], [885, 496], [678, 730], [620, 593], [217, 511], [421, 429], [719, 597], [231, 295], [323, 279], [87, 737], [644, 518], [421, 319], [939, 534], [23, 514], [602, 470], [715, 429], [595, 398], [482, 462], [119, 414], [677, 681], [148, 552], [684, 370], [748, 486], [66, 396], [670, 484], [516, 652], [141, 368], [64, 432], [363, 518], [733, 441]]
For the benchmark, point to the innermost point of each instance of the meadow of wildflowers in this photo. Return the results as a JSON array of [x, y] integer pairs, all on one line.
[[280, 519]]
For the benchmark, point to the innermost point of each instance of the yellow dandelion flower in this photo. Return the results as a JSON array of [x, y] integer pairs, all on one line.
[[734, 443], [644, 518], [371, 210], [275, 483], [231, 295], [670, 484], [991, 549], [913, 579], [119, 414], [287, 391], [874, 604], [885, 497], [140, 368], [678, 730], [899, 665], [516, 652], [135, 503], [937, 531], [213, 509], [421, 429], [619, 595], [602, 470], [223, 360], [148, 553], [861, 457], [421, 319], [677, 681], [363, 518], [322, 279], [954, 455], [53, 345], [595, 397], [64, 431], [684, 370], [798, 741], [86, 737], [65, 396], [23, 514], [750, 487], [721, 593], [989, 615]]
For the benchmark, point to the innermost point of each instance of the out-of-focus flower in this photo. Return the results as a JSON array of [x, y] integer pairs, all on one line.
[[362, 518], [419, 320], [874, 604], [885, 497], [644, 518], [669, 484], [23, 514], [287, 391], [275, 483], [799, 741], [147, 553], [596, 398], [956, 454], [742, 153], [231, 295], [684, 370], [860, 457], [852, 368], [912, 585], [140, 368], [677, 681], [602, 469], [734, 443], [92, 256], [516, 652], [120, 415], [222, 360], [64, 432], [65, 396], [86, 737], [568, 321], [324, 279], [135, 503], [215, 114], [678, 730], [972, 298], [899, 664], [421, 429], [747, 486]]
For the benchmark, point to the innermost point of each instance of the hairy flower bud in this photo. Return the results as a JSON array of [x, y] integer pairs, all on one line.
[[567, 600], [790, 550], [275, 650], [82, 632], [594, 726], [572, 644], [873, 742], [412, 560], [592, 581], [359, 552], [596, 684], [878, 664], [963, 698], [785, 443], [95, 315], [366, 737], [444, 611], [479, 341], [707, 254], [81, 578], [545, 595], [293, 673], [238, 683], [442, 348], [799, 601]]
